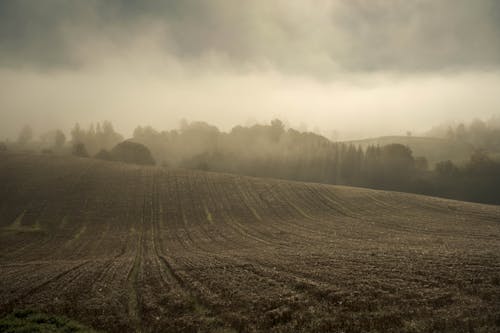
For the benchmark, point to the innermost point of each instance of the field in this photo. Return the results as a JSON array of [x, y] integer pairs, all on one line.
[[125, 248]]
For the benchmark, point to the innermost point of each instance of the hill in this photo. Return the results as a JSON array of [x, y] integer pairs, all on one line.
[[434, 149], [136, 248]]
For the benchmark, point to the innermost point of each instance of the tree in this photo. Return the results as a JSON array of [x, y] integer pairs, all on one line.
[[477, 132], [103, 154], [372, 167], [446, 169], [132, 152], [80, 150], [450, 133], [461, 132], [277, 129], [350, 165], [421, 164], [107, 137], [398, 157], [398, 166], [481, 164], [77, 134], [25, 136], [59, 140], [54, 139], [97, 137]]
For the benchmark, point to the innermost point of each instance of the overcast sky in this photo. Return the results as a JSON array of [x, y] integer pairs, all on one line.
[[361, 67]]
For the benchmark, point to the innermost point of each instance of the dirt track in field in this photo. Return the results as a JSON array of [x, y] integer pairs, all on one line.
[[128, 248]]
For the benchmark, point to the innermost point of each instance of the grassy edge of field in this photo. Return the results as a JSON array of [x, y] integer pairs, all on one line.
[[32, 321]]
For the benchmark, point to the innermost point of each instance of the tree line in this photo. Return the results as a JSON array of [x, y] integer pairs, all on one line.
[[272, 150], [479, 133]]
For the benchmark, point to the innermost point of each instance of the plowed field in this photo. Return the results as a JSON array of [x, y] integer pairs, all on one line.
[[127, 248]]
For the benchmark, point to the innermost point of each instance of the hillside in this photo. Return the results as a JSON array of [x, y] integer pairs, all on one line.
[[123, 248], [434, 149]]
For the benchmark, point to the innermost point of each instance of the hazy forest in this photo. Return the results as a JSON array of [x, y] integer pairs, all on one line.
[[274, 151]]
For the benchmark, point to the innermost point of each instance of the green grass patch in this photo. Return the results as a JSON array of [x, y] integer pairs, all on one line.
[[80, 232], [77, 235], [209, 215], [17, 225], [24, 321]]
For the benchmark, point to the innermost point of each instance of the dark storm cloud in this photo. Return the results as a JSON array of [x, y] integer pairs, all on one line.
[[423, 35], [298, 37], [31, 33]]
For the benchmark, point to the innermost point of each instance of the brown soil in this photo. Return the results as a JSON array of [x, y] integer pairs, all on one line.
[[130, 248]]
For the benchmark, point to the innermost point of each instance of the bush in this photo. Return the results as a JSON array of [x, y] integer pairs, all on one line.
[[131, 152], [103, 154]]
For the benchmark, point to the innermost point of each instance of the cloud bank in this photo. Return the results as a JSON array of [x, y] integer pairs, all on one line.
[[361, 67]]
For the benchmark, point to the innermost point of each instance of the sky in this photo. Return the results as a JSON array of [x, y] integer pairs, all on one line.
[[360, 68]]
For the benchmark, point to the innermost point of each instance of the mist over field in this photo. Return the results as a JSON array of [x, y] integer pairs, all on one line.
[[360, 68], [250, 166]]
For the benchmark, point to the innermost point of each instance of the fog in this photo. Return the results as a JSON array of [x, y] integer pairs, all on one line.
[[360, 68]]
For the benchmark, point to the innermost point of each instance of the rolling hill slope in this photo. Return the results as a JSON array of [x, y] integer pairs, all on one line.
[[126, 248]]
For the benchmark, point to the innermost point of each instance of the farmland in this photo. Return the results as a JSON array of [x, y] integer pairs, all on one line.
[[136, 248]]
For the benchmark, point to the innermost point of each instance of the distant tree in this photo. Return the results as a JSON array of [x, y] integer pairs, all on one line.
[[97, 137], [398, 166], [3, 146], [478, 180], [107, 137], [54, 139], [277, 129], [478, 132], [421, 163], [481, 164], [350, 165], [132, 152], [103, 154], [482, 179], [461, 132], [372, 166], [398, 157], [446, 169], [59, 140], [77, 134], [25, 136], [450, 133], [80, 150]]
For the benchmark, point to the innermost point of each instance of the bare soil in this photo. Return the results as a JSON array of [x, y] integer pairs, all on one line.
[[126, 248]]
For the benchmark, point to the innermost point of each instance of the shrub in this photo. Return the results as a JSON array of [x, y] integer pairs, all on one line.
[[103, 154], [131, 152]]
